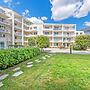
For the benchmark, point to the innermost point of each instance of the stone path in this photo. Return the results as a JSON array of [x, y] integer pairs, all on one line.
[[38, 61], [3, 76], [44, 58], [29, 65], [16, 69], [1, 84], [47, 55], [18, 73]]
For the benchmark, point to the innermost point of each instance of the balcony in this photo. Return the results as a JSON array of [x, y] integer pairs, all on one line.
[[2, 39], [18, 40], [64, 35], [18, 34], [47, 28], [18, 27], [2, 30], [57, 35], [57, 28], [4, 22], [18, 20]]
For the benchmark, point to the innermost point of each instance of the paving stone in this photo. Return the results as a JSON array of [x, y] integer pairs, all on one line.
[[3, 76], [50, 54], [38, 61], [44, 58], [16, 69], [47, 55], [1, 84], [17, 73], [29, 65]]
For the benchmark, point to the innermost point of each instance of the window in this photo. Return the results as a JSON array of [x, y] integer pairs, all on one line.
[[80, 33], [1, 45], [55, 33], [46, 33], [35, 33], [55, 44], [35, 27], [2, 35], [56, 39]]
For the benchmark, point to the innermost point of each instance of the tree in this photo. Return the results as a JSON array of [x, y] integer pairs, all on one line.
[[39, 41], [42, 41], [82, 41], [32, 41]]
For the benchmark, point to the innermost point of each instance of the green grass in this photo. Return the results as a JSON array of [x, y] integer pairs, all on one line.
[[60, 72]]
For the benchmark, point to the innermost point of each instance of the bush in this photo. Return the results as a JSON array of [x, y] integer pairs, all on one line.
[[39, 41], [11, 57], [82, 41], [76, 47]]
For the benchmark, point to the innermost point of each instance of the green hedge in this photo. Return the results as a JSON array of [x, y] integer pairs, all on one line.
[[11, 57]]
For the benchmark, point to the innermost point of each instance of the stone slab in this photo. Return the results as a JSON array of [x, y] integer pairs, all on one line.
[[47, 55], [44, 58], [3, 76], [37, 61], [16, 69], [18, 73], [30, 63], [1, 84]]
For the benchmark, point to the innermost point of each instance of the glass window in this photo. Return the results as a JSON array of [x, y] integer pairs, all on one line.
[[1, 45], [55, 44]]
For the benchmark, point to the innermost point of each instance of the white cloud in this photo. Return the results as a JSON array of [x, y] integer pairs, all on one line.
[[87, 24], [44, 18], [11, 3], [35, 20], [38, 20], [7, 1], [26, 12], [63, 9]]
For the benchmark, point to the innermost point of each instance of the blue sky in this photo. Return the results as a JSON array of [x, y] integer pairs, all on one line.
[[53, 11]]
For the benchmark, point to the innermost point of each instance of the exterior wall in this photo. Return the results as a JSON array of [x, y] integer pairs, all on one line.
[[79, 33], [60, 35], [13, 28], [18, 29]]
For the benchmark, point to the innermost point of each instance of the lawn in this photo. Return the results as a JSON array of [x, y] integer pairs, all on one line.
[[59, 72]]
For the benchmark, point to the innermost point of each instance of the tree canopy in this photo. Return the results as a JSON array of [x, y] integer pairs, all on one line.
[[39, 41], [83, 41]]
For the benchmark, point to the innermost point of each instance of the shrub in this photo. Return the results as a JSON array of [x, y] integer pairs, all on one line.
[[11, 57], [83, 41], [76, 47], [39, 41]]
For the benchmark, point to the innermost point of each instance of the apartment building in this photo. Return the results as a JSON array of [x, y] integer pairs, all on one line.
[[79, 33], [16, 29], [86, 30], [13, 28], [60, 35]]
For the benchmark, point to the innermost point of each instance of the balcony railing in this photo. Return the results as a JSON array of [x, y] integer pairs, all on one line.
[[18, 27]]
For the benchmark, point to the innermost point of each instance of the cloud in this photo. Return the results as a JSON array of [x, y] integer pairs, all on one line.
[[63, 9], [87, 24], [11, 3], [38, 20], [35, 20], [26, 12], [44, 18], [7, 1]]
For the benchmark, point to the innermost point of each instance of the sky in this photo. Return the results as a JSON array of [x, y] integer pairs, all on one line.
[[53, 11]]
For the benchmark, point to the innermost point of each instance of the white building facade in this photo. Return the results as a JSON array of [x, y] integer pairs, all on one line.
[[60, 35], [16, 29], [13, 28]]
